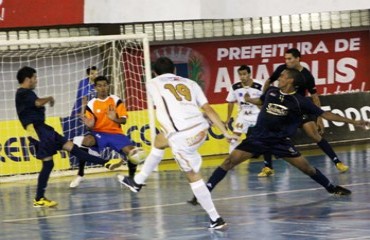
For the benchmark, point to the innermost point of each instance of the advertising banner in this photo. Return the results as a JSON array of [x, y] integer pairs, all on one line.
[[338, 61], [37, 13], [16, 155]]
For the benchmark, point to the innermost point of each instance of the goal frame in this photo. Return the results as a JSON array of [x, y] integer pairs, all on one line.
[[9, 44]]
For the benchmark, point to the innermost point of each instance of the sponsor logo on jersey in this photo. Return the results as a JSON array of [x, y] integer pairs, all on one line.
[[276, 109]]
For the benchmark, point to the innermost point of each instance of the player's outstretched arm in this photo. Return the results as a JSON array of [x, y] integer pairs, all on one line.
[[42, 101], [215, 118], [337, 118]]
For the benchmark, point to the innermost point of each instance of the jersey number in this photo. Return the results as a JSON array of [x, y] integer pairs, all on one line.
[[179, 89]]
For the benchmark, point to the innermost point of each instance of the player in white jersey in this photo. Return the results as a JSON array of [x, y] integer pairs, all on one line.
[[178, 101], [247, 113]]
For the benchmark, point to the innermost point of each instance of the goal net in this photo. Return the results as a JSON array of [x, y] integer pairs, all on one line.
[[61, 65]]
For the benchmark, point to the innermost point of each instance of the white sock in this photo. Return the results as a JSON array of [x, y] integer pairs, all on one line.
[[151, 162], [204, 198], [233, 145]]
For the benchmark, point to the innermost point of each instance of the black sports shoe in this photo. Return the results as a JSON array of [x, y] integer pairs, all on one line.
[[130, 183], [338, 190], [219, 224], [193, 201]]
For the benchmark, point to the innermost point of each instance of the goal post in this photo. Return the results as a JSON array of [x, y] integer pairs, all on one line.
[[61, 64]]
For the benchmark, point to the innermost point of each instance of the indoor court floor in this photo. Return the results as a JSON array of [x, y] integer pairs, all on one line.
[[288, 205]]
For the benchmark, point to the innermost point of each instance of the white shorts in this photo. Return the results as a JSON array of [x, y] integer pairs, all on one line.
[[244, 121], [185, 146]]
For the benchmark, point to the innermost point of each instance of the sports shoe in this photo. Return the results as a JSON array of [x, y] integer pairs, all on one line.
[[266, 172], [113, 164], [338, 190], [75, 182], [44, 202], [193, 201], [130, 183], [341, 167], [219, 224]]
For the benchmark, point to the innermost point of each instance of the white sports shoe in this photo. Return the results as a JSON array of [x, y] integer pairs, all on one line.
[[76, 182]]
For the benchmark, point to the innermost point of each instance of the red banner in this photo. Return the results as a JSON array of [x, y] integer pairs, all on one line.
[[26, 13], [338, 61]]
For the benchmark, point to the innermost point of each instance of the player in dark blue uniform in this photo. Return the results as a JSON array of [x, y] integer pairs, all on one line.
[[311, 124], [45, 140], [281, 114]]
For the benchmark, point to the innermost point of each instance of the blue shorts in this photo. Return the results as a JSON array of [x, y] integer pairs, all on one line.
[[281, 148], [114, 141], [45, 140]]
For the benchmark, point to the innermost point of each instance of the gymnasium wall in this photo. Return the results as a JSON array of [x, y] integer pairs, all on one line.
[[20, 13]]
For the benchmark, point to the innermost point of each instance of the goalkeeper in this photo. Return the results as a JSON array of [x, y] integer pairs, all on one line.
[[104, 115]]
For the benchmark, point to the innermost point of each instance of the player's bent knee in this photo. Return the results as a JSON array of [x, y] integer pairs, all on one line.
[[88, 141], [68, 146], [193, 176], [316, 137], [228, 164]]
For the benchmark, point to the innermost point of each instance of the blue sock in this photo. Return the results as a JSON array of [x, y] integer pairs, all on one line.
[[328, 150], [80, 154], [215, 178], [322, 180], [267, 160], [42, 182]]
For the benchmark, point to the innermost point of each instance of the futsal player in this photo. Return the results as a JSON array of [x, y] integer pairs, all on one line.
[[45, 140], [281, 113], [178, 101], [311, 124], [104, 116]]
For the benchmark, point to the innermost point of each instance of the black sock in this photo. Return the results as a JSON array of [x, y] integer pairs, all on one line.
[[267, 160], [80, 154], [328, 150], [216, 177], [131, 169], [322, 180], [81, 168], [42, 182]]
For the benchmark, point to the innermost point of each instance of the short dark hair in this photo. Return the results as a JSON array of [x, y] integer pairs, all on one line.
[[298, 79], [295, 52], [101, 78], [25, 72], [163, 65], [244, 67], [88, 70]]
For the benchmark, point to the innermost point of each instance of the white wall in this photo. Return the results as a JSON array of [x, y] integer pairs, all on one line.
[[126, 11]]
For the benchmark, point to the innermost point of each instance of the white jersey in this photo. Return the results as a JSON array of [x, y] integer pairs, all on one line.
[[237, 92], [177, 101]]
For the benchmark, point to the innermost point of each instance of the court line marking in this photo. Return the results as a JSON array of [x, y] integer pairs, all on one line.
[[169, 204]]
